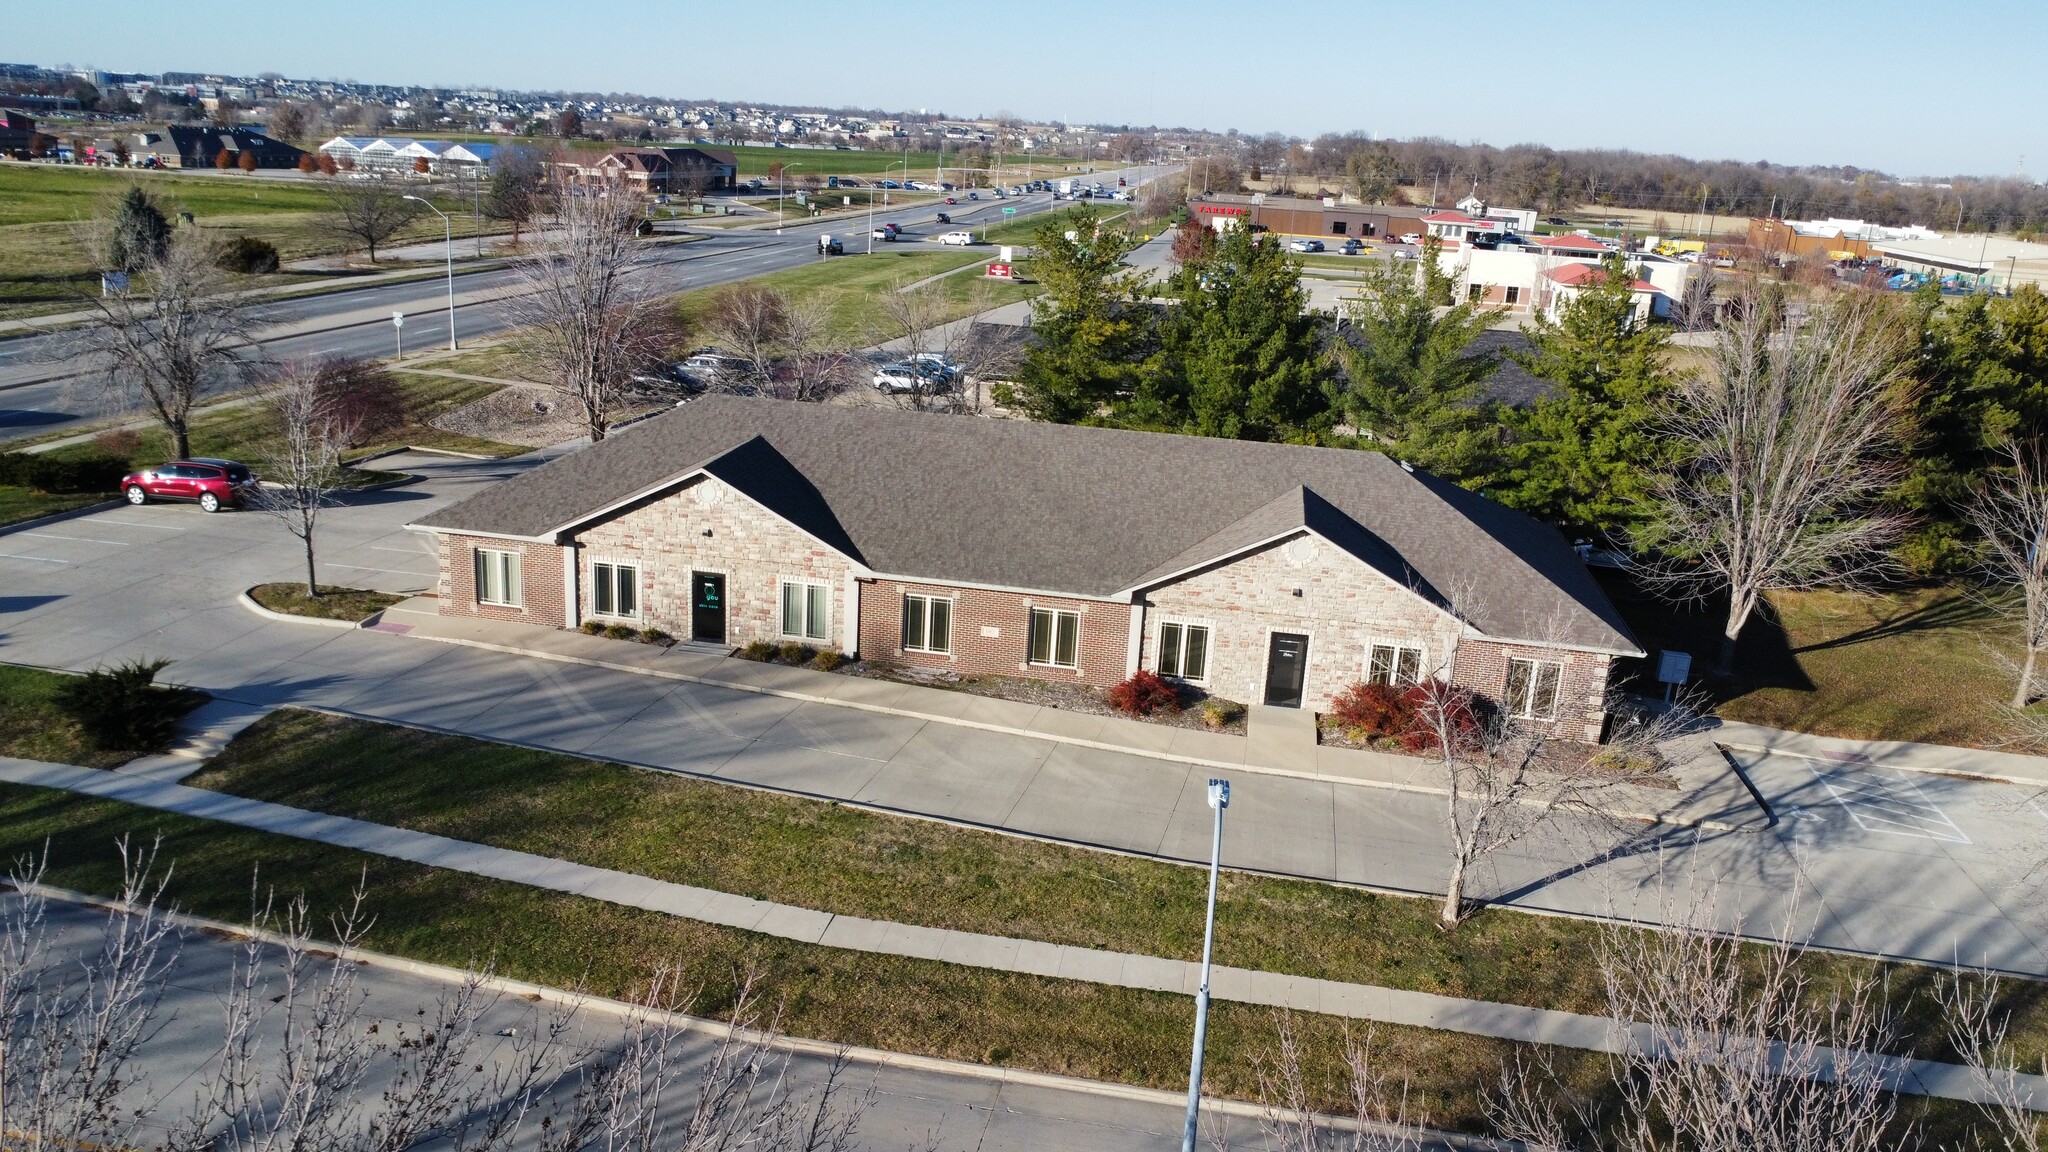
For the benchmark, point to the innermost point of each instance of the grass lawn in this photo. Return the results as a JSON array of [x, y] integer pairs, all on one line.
[[18, 503], [45, 263], [243, 431], [1924, 665], [915, 1006], [848, 285], [334, 603], [32, 727], [825, 856]]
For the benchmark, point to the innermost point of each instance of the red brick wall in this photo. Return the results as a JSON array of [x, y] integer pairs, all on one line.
[[1105, 632], [540, 578], [1482, 665]]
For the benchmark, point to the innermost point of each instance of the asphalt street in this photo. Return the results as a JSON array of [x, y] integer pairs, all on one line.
[[1862, 858], [912, 1102], [44, 386]]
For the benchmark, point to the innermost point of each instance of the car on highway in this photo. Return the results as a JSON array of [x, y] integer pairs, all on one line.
[[211, 483], [1351, 247], [974, 195], [959, 238], [1304, 245], [1614, 224], [943, 218], [911, 376], [1557, 222], [883, 233], [1120, 182], [950, 200], [887, 184]]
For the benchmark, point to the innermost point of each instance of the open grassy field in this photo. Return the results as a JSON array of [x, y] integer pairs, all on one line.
[[825, 856], [1927, 665], [45, 258]]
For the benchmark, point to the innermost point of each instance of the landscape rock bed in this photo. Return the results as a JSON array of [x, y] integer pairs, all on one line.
[[1076, 698]]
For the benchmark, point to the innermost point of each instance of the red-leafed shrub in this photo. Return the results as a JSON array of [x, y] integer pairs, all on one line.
[[1434, 706], [1372, 710], [1143, 694]]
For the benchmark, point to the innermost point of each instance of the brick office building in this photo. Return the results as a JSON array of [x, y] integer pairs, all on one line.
[[1261, 572]]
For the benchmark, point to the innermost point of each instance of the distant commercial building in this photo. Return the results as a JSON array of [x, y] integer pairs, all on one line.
[[1982, 261], [403, 154], [1300, 216], [200, 146], [1537, 278], [1833, 238], [661, 170], [17, 135]]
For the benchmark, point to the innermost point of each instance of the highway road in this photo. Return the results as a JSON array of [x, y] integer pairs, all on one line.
[[44, 387]]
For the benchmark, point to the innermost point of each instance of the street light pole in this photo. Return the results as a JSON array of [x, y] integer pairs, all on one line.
[[779, 174], [871, 198], [1219, 799], [448, 249]]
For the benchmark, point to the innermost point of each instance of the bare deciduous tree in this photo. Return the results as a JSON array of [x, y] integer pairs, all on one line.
[[1788, 445], [159, 346], [302, 468], [70, 1033], [1378, 1119], [784, 344], [1978, 1031], [587, 316], [2010, 513], [972, 351], [366, 208], [1727, 1047]]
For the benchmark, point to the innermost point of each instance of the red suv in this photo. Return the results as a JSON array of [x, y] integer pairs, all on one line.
[[210, 483]]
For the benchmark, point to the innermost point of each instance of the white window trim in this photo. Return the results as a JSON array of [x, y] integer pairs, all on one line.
[[1422, 665], [518, 563], [639, 589], [825, 633], [1056, 614], [1514, 707], [1208, 653], [952, 617]]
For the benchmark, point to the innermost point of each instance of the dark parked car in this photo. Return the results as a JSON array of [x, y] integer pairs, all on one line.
[[211, 484]]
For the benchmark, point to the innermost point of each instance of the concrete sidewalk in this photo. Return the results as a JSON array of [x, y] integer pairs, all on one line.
[[1710, 795], [1117, 969]]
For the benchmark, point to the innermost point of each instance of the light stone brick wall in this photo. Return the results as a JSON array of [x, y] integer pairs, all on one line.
[[1344, 607], [755, 549]]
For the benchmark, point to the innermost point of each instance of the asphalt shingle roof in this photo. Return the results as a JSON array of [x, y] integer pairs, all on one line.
[[1050, 508]]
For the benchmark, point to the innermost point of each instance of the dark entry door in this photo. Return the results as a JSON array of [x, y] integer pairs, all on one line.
[[1286, 663], [707, 607]]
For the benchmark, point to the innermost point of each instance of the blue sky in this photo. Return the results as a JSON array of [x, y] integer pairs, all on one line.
[[1911, 88]]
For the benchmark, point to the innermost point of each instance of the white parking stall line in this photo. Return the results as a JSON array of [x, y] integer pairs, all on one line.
[[361, 568], [80, 539], [140, 524], [1893, 807], [24, 556], [407, 551]]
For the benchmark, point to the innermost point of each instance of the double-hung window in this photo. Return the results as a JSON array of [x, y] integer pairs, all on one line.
[[614, 590], [497, 577], [806, 610], [1055, 638], [1393, 664], [927, 624], [1184, 651], [1532, 688]]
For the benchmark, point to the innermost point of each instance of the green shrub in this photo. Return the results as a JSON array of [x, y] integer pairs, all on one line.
[[655, 636], [592, 627], [619, 632], [252, 255], [44, 474], [121, 709], [827, 661], [760, 650], [792, 652]]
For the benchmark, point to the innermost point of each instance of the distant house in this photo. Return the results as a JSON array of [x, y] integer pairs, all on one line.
[[199, 146], [17, 134], [661, 170], [1260, 572]]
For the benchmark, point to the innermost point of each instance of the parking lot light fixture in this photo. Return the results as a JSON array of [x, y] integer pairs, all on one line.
[[1219, 799], [448, 250], [780, 173]]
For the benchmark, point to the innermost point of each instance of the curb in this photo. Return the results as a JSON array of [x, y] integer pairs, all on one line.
[[1006, 730], [59, 517], [873, 1057], [249, 602], [404, 448]]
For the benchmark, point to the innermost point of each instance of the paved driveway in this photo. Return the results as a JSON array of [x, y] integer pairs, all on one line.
[[1863, 859]]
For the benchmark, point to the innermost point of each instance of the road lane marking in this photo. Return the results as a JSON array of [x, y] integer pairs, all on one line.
[[81, 539], [1892, 807]]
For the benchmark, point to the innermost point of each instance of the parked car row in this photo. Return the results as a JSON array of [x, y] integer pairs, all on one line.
[[925, 372]]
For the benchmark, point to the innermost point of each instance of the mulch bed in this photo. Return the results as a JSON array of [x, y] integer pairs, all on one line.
[[1066, 697]]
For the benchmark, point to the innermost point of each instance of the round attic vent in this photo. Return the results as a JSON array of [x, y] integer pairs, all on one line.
[[1300, 550]]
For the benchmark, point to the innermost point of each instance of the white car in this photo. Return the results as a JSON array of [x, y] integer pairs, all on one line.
[[961, 238], [1305, 246], [1410, 238]]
